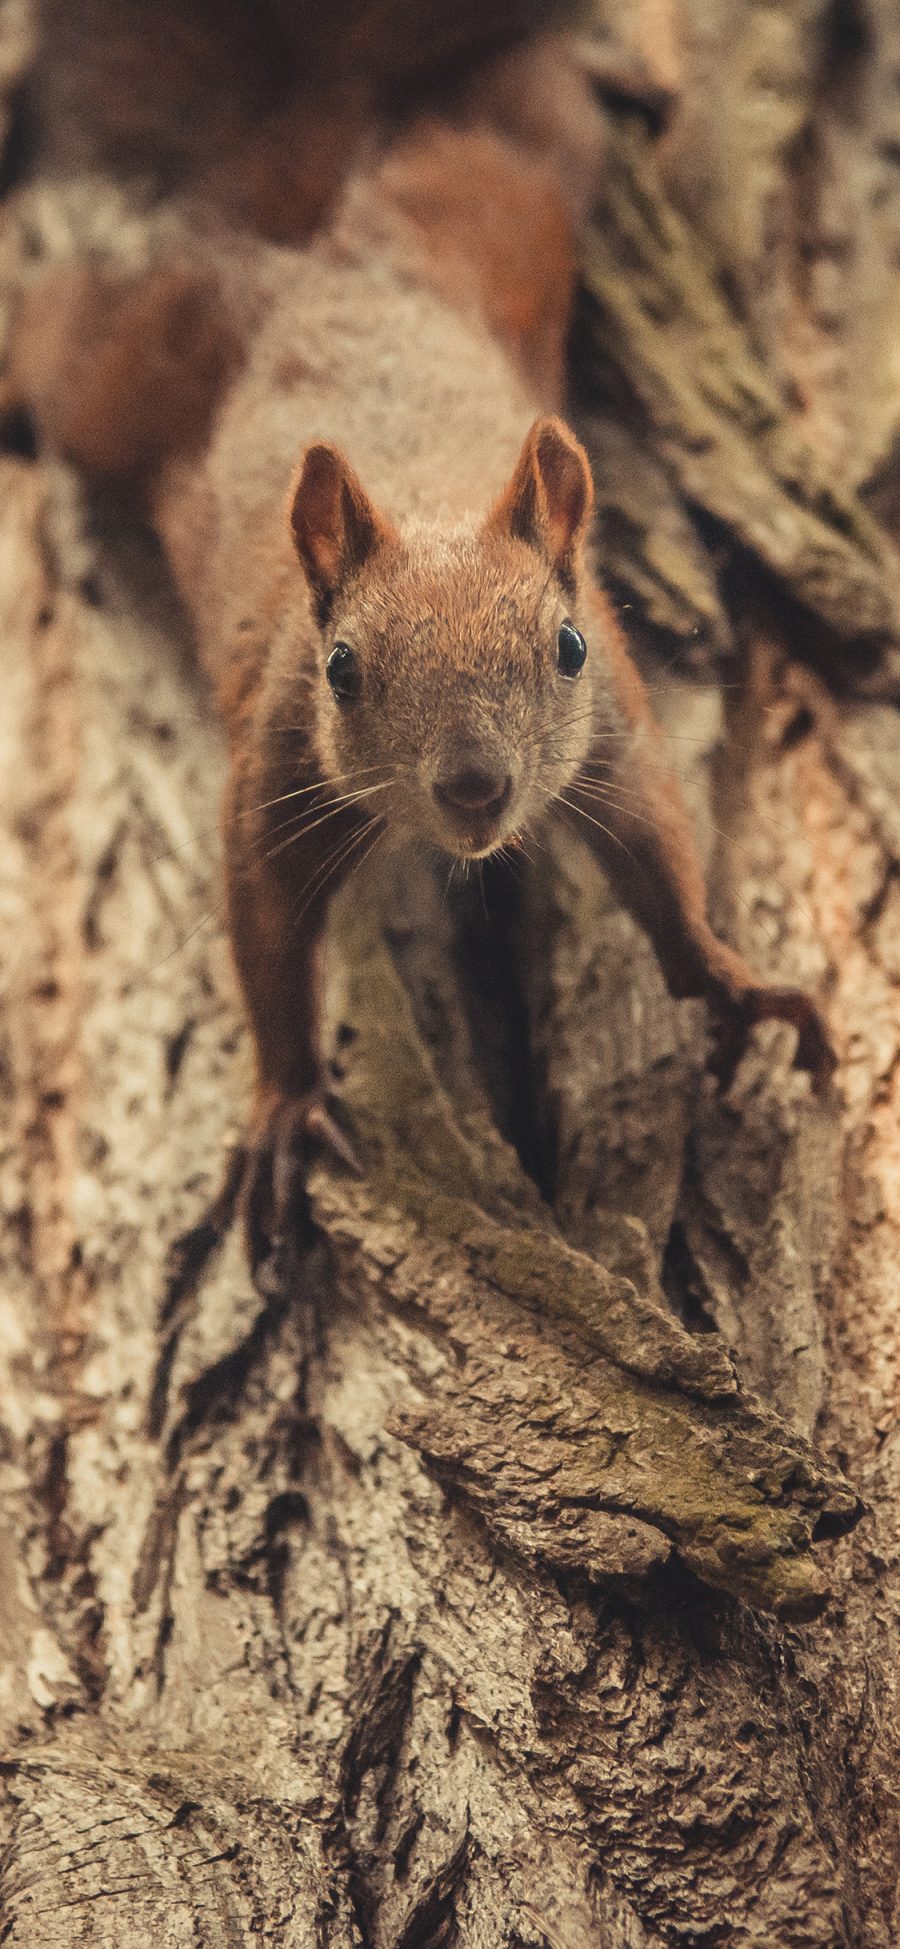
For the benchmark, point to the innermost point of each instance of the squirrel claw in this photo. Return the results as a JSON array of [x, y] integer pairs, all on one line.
[[814, 1051], [322, 1127], [289, 1130]]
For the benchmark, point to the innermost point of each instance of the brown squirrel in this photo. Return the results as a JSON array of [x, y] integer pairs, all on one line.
[[381, 535]]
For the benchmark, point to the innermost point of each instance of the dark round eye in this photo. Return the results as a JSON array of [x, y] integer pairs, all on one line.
[[342, 671], [571, 650]]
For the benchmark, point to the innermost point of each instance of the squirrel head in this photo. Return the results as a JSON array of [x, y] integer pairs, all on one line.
[[452, 671]]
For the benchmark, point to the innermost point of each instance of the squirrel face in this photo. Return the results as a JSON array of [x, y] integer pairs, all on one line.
[[453, 674]]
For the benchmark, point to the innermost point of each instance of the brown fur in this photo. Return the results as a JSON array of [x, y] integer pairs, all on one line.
[[121, 371], [262, 104], [426, 344]]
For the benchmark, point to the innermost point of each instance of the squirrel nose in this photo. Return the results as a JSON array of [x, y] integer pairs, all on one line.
[[474, 789]]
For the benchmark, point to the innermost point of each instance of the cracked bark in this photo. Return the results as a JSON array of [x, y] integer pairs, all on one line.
[[459, 1594]]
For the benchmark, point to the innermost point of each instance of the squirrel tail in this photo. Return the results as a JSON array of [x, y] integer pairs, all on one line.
[[245, 108], [177, 89], [120, 372]]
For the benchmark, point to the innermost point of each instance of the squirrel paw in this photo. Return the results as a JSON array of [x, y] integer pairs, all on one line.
[[736, 1015], [286, 1134]]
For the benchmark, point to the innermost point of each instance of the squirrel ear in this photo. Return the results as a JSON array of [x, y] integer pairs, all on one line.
[[549, 500], [333, 522]]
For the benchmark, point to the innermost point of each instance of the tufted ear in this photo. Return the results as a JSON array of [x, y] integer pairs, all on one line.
[[335, 526], [549, 500]]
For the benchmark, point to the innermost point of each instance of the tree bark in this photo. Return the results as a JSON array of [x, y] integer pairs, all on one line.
[[525, 1570]]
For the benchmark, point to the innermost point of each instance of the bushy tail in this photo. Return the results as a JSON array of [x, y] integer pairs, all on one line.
[[177, 88], [118, 373], [251, 111]]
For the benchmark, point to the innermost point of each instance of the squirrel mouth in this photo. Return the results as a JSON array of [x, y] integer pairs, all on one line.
[[476, 827], [475, 837], [475, 847]]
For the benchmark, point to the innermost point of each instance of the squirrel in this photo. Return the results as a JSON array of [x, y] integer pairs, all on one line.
[[380, 525]]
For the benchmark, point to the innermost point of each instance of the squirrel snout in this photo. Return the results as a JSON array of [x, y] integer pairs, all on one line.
[[474, 789]]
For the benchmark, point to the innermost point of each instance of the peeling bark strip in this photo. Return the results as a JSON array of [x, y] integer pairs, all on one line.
[[269, 1672]]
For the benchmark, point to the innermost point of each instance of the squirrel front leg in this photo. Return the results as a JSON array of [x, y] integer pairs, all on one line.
[[279, 890], [288, 852], [635, 821]]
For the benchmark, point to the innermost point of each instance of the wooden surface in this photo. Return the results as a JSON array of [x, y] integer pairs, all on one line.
[[457, 1592]]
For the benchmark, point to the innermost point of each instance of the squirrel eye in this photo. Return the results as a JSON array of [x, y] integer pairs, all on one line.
[[571, 650], [342, 671]]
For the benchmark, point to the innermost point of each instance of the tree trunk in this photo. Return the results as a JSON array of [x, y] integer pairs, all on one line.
[[500, 1578]]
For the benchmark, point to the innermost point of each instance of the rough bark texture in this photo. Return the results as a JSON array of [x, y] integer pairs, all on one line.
[[457, 1592]]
